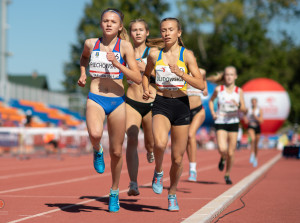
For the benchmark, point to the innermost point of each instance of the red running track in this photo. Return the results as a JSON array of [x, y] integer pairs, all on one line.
[[51, 190], [274, 197]]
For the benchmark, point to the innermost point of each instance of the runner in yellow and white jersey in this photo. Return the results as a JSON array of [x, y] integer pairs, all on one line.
[[171, 110]]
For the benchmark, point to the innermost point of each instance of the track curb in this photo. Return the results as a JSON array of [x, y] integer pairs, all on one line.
[[211, 210]]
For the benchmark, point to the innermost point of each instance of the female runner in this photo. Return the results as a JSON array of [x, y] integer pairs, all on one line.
[[171, 111], [107, 58]]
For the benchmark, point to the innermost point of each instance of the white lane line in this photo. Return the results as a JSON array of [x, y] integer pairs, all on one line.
[[67, 181], [52, 184], [122, 191], [41, 196], [63, 208], [91, 200], [211, 210], [47, 165], [44, 172]]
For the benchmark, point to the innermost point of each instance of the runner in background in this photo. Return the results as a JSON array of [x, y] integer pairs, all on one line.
[[107, 58], [254, 118], [197, 118], [230, 101]]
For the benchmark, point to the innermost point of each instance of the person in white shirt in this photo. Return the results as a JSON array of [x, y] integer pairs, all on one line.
[[230, 101]]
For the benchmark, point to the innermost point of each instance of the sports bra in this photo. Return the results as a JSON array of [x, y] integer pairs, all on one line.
[[165, 79], [144, 59], [100, 66]]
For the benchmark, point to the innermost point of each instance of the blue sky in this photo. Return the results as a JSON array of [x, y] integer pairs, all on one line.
[[41, 32]]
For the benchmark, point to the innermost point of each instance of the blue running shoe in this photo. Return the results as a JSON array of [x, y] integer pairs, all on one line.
[[113, 205], [193, 176], [157, 182], [255, 162], [252, 158], [99, 164], [172, 203]]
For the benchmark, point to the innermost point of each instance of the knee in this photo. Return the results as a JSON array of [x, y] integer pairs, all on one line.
[[132, 134], [132, 139], [191, 136], [223, 151], [149, 144], [177, 161], [116, 154], [160, 146], [231, 153], [95, 135]]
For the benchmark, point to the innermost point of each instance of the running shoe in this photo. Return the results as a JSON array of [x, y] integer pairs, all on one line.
[[133, 189], [113, 205], [150, 157], [193, 176], [221, 164], [228, 180], [255, 162], [172, 203], [157, 182], [99, 164], [252, 158]]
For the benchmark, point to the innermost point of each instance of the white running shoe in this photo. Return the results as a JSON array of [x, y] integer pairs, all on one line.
[[133, 189], [150, 157]]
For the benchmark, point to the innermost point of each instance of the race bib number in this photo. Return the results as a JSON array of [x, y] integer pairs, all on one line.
[[229, 110], [101, 67], [166, 80]]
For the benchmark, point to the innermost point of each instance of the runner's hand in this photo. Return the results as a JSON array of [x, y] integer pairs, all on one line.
[[147, 95], [175, 69], [82, 81], [111, 57]]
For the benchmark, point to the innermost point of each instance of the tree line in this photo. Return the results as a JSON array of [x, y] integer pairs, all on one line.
[[238, 36]]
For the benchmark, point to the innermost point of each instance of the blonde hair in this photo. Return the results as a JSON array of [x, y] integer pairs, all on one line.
[[180, 42], [219, 78], [136, 21], [123, 33]]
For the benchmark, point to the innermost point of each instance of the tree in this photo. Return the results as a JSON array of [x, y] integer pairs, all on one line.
[[89, 27], [238, 37]]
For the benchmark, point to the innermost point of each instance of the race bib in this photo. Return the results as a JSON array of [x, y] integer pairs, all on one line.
[[101, 67], [228, 110], [191, 91], [166, 80]]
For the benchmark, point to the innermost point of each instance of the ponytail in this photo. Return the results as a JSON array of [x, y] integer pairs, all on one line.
[[180, 42], [155, 42], [123, 34], [218, 78]]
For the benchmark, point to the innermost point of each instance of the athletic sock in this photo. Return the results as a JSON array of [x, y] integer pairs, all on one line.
[[114, 191], [193, 166]]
